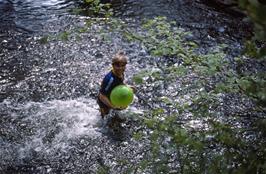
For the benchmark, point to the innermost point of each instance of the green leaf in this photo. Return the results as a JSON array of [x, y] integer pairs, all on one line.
[[138, 79], [64, 36], [150, 123], [262, 52], [143, 164], [44, 40], [138, 136]]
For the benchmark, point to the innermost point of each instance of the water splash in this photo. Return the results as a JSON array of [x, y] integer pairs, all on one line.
[[46, 127]]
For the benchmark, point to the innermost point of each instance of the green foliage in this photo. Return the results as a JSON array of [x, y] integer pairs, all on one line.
[[255, 87], [177, 70], [100, 14], [137, 79], [64, 36], [138, 136], [256, 11], [82, 30], [95, 8], [210, 64], [103, 170], [251, 49], [44, 40], [213, 78], [145, 74], [162, 39]]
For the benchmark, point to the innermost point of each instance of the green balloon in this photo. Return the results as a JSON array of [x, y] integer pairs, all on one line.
[[122, 96]]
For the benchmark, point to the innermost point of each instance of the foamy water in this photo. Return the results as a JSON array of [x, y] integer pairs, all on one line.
[[49, 126], [75, 117]]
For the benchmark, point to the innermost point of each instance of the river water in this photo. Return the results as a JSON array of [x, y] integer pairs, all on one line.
[[49, 117]]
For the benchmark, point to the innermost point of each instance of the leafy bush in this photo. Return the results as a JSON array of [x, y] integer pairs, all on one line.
[[256, 10], [94, 8], [220, 145]]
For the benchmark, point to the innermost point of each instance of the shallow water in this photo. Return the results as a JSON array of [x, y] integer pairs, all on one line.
[[46, 126], [49, 117]]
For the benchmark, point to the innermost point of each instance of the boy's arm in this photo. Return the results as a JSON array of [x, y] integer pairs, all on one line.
[[133, 88], [106, 101]]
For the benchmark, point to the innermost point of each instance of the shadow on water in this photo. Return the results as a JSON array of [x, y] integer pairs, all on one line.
[[116, 126]]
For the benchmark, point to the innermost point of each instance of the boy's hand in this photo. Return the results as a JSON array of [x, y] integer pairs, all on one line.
[[133, 88], [120, 108]]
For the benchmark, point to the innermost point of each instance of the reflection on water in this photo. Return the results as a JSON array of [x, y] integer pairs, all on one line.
[[31, 15]]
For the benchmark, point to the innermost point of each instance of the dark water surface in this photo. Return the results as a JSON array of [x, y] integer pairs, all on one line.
[[49, 120], [31, 15]]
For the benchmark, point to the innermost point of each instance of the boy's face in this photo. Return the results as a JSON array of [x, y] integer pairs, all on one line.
[[119, 67]]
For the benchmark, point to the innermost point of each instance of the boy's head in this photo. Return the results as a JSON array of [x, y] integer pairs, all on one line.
[[119, 58], [119, 62]]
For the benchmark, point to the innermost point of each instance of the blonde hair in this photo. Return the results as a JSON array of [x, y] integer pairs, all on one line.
[[120, 56]]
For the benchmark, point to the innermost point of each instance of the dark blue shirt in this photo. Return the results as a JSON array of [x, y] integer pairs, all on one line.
[[109, 82]]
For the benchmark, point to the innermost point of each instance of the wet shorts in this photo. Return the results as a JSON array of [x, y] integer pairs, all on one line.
[[101, 104]]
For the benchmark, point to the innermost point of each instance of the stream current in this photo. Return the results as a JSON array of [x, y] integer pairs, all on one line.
[[49, 117]]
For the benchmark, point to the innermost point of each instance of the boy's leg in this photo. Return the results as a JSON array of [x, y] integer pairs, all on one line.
[[103, 108], [104, 111]]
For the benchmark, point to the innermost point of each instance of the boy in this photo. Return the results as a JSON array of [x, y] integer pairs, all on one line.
[[114, 78]]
